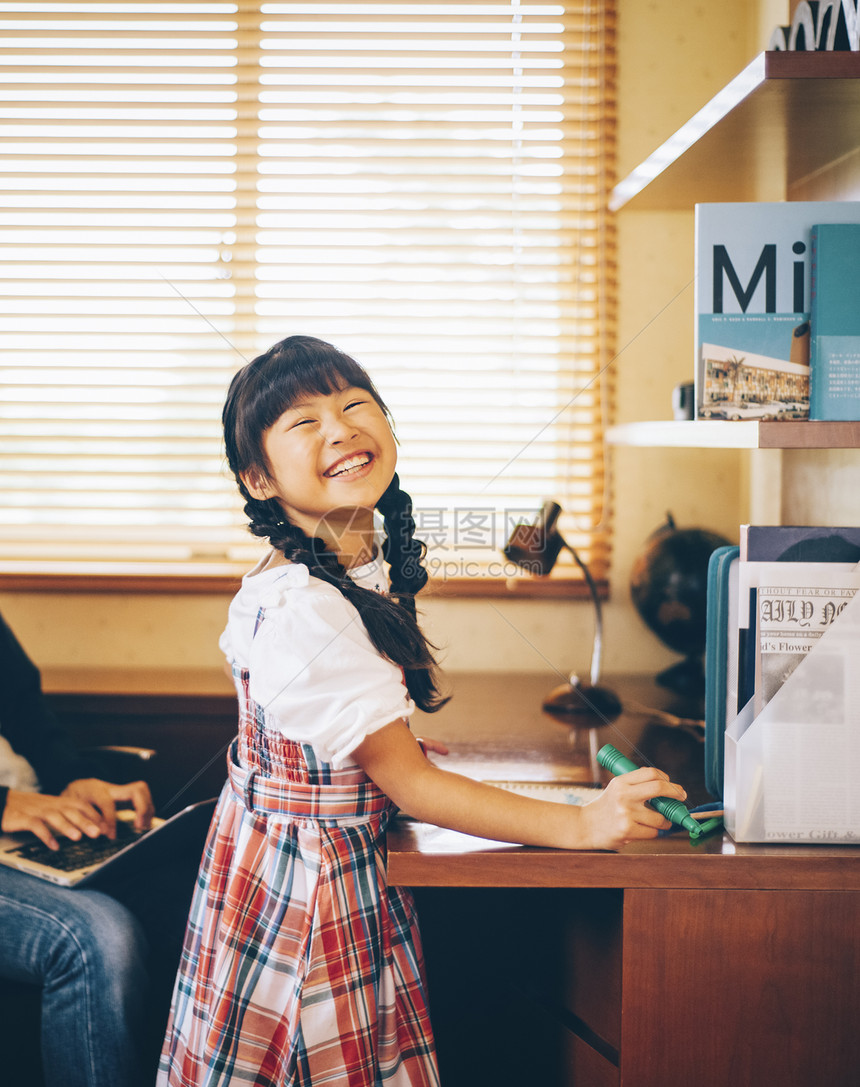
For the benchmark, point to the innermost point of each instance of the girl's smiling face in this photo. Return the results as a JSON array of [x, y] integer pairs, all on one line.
[[327, 456]]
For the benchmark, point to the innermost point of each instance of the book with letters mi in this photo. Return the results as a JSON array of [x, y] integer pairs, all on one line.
[[752, 306], [834, 375]]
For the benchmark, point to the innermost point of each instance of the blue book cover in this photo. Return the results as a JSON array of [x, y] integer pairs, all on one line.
[[834, 377], [752, 306]]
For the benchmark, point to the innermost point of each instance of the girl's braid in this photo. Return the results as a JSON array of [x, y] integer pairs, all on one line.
[[390, 621], [401, 550], [266, 519]]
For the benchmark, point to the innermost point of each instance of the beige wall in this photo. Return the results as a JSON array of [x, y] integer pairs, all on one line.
[[672, 57]]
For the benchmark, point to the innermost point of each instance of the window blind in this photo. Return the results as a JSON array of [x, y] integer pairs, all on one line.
[[183, 184]]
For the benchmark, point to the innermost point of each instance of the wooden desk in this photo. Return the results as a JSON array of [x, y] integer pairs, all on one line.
[[717, 965]]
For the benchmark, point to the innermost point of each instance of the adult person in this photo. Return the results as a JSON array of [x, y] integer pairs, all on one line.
[[104, 959]]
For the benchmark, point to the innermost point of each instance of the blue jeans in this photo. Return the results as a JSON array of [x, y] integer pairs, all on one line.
[[89, 953]]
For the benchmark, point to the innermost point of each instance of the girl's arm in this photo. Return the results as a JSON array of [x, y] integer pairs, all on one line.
[[393, 759]]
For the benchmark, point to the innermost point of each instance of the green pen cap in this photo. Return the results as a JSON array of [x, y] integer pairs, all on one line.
[[708, 826]]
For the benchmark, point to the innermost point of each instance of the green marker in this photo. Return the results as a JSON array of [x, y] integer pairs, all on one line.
[[673, 810]]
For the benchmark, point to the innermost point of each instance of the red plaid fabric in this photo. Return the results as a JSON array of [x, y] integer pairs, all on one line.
[[300, 965]]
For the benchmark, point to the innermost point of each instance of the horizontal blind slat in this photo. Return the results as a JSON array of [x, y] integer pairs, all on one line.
[[182, 185]]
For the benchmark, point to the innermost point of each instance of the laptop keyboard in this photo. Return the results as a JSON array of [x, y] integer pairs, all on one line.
[[74, 855]]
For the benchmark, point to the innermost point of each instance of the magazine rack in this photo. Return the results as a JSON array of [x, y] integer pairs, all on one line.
[[791, 772]]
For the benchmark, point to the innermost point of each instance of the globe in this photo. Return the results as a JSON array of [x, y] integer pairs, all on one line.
[[669, 587]]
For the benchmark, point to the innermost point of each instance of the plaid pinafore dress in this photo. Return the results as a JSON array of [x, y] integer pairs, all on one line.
[[301, 966]]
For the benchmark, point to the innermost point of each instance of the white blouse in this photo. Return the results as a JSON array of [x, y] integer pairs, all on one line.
[[15, 771], [312, 666]]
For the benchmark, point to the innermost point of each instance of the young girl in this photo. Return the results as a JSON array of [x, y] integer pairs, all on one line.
[[301, 966]]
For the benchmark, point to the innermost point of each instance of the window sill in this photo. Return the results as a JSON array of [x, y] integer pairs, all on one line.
[[203, 578]]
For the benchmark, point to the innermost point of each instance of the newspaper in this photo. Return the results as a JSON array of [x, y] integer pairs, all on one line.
[[793, 614], [812, 740]]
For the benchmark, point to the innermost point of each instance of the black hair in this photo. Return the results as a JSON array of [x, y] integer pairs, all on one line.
[[259, 394]]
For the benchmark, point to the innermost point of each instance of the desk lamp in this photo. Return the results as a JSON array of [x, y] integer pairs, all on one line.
[[535, 548]]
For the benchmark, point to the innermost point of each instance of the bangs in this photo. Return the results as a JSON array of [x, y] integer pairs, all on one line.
[[301, 366]]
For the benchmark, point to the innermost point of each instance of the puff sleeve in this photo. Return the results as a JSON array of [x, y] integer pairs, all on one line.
[[315, 672]]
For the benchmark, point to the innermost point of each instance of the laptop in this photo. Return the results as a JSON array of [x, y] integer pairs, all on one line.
[[77, 864]]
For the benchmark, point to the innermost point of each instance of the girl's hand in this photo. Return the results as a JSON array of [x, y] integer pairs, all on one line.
[[620, 814], [436, 746]]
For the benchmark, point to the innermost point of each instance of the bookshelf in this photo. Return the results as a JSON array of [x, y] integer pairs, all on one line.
[[786, 127], [779, 125], [747, 434]]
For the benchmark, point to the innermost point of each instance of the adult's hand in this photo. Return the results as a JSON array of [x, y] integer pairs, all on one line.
[[51, 816], [104, 797]]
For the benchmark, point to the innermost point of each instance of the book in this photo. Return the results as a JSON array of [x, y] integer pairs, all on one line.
[[799, 543], [559, 791], [753, 306], [721, 660], [834, 361]]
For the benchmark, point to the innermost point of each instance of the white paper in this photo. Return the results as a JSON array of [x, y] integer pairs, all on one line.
[[796, 603]]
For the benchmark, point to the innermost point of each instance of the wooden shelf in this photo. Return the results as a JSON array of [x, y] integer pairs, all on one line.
[[745, 434], [786, 117]]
